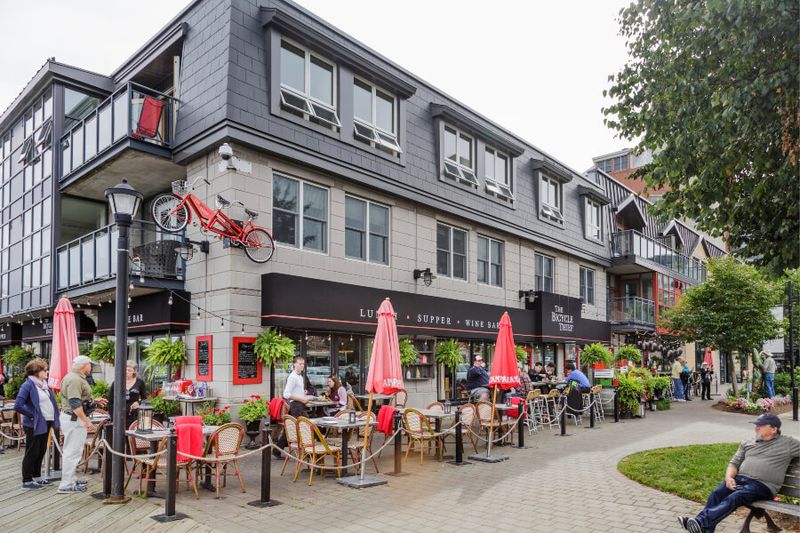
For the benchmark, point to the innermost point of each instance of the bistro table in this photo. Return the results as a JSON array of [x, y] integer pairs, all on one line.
[[385, 398], [187, 401], [346, 427], [437, 415], [320, 404], [155, 437]]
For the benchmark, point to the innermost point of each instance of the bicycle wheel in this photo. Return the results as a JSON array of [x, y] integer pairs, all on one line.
[[258, 245], [167, 215]]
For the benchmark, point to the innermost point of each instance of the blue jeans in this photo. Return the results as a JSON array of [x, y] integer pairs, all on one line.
[[769, 384], [678, 386], [722, 501]]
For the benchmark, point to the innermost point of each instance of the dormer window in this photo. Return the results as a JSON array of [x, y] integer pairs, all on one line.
[[551, 196], [308, 85], [459, 152], [375, 116], [498, 174]]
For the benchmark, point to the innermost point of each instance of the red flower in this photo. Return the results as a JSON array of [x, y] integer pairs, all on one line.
[[256, 396]]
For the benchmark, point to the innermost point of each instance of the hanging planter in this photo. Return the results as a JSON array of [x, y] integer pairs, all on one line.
[[273, 349], [628, 353], [447, 354], [167, 353], [408, 352], [102, 350], [522, 355]]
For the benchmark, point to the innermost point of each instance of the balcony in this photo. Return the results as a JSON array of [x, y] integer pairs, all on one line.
[[132, 117], [632, 311], [88, 264], [631, 249]]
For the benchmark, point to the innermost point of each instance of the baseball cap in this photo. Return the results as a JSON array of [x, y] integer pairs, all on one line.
[[81, 360], [767, 419], [478, 358]]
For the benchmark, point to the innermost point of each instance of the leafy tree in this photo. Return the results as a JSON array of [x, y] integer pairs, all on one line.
[[729, 311], [711, 88]]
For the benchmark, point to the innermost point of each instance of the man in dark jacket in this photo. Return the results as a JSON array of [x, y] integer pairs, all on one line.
[[478, 380], [706, 375]]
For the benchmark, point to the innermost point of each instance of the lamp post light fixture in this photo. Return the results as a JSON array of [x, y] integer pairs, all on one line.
[[426, 275], [124, 202], [186, 249], [529, 295]]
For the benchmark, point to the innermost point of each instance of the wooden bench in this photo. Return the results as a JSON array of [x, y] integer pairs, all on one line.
[[790, 487]]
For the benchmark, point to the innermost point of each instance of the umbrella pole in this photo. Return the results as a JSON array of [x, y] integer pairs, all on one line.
[[491, 424], [366, 434]]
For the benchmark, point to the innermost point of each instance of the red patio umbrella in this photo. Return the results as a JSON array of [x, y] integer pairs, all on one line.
[[505, 372], [709, 358], [65, 343]]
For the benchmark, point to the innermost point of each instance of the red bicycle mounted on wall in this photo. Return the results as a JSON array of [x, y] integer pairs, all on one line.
[[172, 212]]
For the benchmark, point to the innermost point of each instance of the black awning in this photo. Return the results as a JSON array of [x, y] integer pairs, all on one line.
[[10, 334], [562, 321], [150, 313], [34, 330]]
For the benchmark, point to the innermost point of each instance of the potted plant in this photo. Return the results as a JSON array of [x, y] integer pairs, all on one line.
[[15, 359], [251, 412], [628, 353], [629, 390], [408, 352], [163, 408], [447, 354], [167, 353], [595, 354], [103, 349], [100, 389], [522, 355], [215, 416], [273, 349]]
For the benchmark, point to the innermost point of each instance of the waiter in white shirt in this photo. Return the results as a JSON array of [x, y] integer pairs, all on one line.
[[295, 393]]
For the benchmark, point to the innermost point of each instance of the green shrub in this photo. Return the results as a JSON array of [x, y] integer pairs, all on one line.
[[100, 389], [11, 388], [630, 390], [17, 357], [663, 404], [783, 382], [215, 416], [162, 406], [522, 355], [596, 353], [628, 353]]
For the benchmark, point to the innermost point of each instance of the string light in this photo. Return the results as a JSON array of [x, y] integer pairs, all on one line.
[[198, 314], [130, 287], [242, 329], [221, 324], [169, 302], [109, 299], [141, 279]]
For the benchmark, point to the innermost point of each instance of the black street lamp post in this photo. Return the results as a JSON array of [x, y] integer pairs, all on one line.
[[124, 201], [792, 361]]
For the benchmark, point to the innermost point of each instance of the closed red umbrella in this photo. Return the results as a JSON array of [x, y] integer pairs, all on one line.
[[65, 343], [709, 358], [385, 373]]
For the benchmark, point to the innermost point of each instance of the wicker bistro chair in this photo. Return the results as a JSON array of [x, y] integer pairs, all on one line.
[[149, 466], [353, 403], [314, 448], [500, 425], [223, 447], [400, 399], [92, 440], [418, 430], [467, 421], [357, 441], [11, 425], [550, 408], [138, 447], [290, 427], [534, 420], [436, 406]]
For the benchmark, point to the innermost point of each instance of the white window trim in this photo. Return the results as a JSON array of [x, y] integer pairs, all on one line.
[[588, 228], [451, 253], [462, 173], [502, 264], [368, 232], [502, 189], [552, 269], [546, 209], [583, 271], [306, 94], [377, 139], [301, 215]]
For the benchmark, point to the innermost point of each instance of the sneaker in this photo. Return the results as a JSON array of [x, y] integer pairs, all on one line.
[[680, 400], [31, 485], [82, 482], [694, 526], [44, 482], [72, 489], [684, 522]]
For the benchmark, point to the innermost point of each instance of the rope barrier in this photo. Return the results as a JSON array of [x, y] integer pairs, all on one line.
[[127, 456], [511, 429], [9, 437]]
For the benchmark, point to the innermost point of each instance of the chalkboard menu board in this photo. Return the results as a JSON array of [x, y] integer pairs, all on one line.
[[204, 363], [246, 366]]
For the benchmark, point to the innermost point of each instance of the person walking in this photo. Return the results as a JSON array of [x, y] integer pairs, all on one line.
[[677, 384], [76, 401], [686, 380], [769, 366], [37, 404], [706, 375]]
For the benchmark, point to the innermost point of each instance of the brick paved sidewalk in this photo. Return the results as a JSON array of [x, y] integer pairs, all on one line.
[[556, 485]]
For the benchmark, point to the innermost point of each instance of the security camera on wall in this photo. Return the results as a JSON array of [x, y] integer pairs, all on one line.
[[225, 152], [231, 162]]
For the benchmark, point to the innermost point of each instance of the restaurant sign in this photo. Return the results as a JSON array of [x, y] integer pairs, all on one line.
[[562, 320]]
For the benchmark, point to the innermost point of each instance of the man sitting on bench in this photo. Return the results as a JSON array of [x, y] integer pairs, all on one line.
[[754, 473]]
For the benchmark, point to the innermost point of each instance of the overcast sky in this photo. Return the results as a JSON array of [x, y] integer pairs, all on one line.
[[536, 68]]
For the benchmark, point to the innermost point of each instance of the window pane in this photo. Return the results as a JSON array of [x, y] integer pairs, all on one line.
[[355, 213], [378, 249], [384, 111], [284, 227], [293, 70], [443, 262], [362, 101], [315, 202], [354, 243], [501, 169], [459, 266], [483, 249], [313, 234], [459, 242], [450, 144], [483, 271], [465, 150], [489, 164], [284, 193], [321, 81], [378, 220], [442, 237]]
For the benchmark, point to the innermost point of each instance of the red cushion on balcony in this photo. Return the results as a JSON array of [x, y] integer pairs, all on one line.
[[150, 117]]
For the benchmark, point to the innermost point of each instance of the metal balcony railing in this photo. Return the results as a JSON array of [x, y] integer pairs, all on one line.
[[91, 258], [132, 111], [631, 242], [632, 310]]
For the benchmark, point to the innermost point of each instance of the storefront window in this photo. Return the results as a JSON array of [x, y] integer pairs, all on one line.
[[281, 373], [318, 360], [348, 360]]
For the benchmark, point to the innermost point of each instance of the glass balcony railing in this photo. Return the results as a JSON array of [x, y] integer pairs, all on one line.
[[133, 111], [632, 310], [631, 242], [91, 258]]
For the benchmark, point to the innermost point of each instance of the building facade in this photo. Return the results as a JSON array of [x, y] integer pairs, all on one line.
[[372, 182]]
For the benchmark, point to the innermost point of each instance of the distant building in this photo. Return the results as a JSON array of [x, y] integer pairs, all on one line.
[[622, 163]]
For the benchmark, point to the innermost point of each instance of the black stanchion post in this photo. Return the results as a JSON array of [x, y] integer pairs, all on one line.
[[398, 446], [266, 471], [459, 460], [172, 478], [520, 425], [562, 418], [591, 410], [109, 438], [616, 405]]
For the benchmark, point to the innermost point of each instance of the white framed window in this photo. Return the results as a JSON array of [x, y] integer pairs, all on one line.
[[593, 220], [366, 231], [375, 116], [299, 213], [498, 173], [550, 196], [544, 266], [451, 252], [308, 84], [490, 261], [459, 156], [587, 285]]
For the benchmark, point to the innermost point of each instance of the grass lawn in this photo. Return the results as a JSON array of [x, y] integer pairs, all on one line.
[[690, 472]]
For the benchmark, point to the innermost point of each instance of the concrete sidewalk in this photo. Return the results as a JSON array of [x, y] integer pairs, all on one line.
[[557, 484]]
